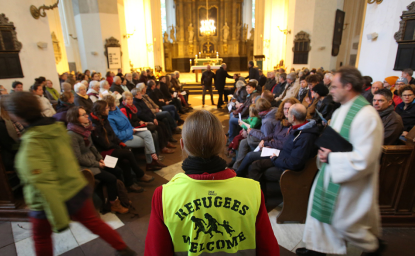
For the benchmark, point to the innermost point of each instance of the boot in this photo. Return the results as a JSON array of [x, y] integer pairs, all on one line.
[[170, 145], [153, 166], [117, 207], [159, 164], [135, 188], [126, 252], [147, 178], [167, 151]]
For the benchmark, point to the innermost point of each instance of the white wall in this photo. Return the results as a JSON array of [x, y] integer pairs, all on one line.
[[35, 61], [377, 58], [124, 41]]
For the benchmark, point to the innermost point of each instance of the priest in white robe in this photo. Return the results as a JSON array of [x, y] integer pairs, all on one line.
[[355, 215]]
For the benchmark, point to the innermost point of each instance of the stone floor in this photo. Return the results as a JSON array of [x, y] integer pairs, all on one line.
[[15, 237]]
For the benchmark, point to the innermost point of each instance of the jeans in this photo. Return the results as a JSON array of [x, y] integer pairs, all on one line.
[[204, 92], [143, 139], [170, 121], [247, 161], [127, 162], [172, 110], [88, 217], [234, 127]]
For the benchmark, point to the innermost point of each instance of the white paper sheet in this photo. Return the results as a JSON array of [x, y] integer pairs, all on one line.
[[257, 149], [110, 161], [270, 151], [240, 117], [140, 129], [230, 107], [183, 93], [174, 94]]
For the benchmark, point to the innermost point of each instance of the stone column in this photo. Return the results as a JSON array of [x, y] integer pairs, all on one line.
[[181, 20], [234, 15]]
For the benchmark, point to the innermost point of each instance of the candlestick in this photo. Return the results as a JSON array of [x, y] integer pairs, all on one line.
[[196, 56]]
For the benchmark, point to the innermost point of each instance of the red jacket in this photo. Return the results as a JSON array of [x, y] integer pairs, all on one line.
[[159, 242], [110, 80]]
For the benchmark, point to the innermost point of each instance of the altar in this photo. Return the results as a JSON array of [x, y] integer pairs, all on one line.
[[199, 69], [206, 61]]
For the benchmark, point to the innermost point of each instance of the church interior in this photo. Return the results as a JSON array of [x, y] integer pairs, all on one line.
[[181, 42]]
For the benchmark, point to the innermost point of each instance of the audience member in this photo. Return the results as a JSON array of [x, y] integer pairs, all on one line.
[[43, 159], [303, 92], [270, 81], [407, 73], [51, 93], [66, 101], [143, 77], [406, 109], [204, 165], [401, 82], [95, 77], [240, 92], [267, 114], [16, 87], [116, 85], [82, 99], [291, 89], [262, 80], [124, 85], [136, 78], [389, 83], [67, 87], [125, 132], [109, 77], [253, 71], [279, 88], [270, 98], [129, 83], [157, 97], [93, 91], [312, 80], [47, 109], [367, 86], [392, 122], [220, 83], [87, 73], [328, 77], [322, 102], [207, 82]]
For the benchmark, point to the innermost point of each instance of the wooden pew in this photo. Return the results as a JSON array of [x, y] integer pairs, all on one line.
[[295, 189]]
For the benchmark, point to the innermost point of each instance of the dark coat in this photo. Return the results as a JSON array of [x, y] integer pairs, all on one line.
[[261, 83], [301, 94], [165, 90], [278, 137], [207, 78], [116, 88], [130, 85], [82, 102], [88, 156], [392, 124], [143, 111], [253, 74], [155, 96], [298, 148], [133, 118], [279, 89], [8, 146], [101, 133], [325, 107], [269, 84], [408, 115], [220, 79], [368, 96], [241, 97], [244, 109]]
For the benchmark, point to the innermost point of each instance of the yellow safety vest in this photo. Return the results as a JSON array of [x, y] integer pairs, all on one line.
[[211, 216]]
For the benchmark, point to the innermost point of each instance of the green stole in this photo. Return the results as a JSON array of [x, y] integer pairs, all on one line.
[[324, 200]]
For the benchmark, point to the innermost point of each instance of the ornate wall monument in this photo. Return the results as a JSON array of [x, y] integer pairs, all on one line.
[[185, 40]]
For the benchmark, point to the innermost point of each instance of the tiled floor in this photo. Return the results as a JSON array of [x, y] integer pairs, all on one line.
[[15, 238]]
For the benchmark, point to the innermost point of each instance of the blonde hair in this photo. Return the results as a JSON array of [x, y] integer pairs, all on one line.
[[109, 100], [203, 135], [253, 111], [263, 104], [125, 95]]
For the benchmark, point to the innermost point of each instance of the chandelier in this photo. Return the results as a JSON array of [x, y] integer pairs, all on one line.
[[208, 26]]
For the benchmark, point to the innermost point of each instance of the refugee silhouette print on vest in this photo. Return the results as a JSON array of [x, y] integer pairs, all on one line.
[[212, 226]]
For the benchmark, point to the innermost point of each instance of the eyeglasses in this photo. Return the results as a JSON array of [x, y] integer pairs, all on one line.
[[407, 95]]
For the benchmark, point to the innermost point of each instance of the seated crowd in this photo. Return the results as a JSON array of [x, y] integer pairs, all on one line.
[[291, 112], [107, 116]]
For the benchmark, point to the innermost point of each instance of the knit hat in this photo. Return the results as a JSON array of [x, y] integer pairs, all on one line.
[[402, 80], [321, 89], [391, 79]]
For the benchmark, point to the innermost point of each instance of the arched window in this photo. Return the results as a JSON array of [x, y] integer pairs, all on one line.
[[301, 48], [10, 66]]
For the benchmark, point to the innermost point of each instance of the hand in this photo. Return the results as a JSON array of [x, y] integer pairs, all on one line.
[[404, 134], [272, 156], [100, 95], [323, 154], [161, 100], [116, 92], [308, 100], [157, 110], [141, 122], [156, 122], [249, 129], [261, 144], [239, 122], [101, 164]]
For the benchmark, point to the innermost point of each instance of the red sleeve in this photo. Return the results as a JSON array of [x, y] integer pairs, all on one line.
[[266, 243], [124, 111], [158, 240]]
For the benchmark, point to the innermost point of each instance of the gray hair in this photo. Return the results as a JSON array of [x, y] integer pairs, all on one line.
[[253, 81], [176, 72], [291, 76], [66, 87], [240, 84], [94, 84], [140, 87], [329, 76], [299, 111], [103, 83], [134, 92], [78, 86], [223, 64], [85, 82], [117, 78]]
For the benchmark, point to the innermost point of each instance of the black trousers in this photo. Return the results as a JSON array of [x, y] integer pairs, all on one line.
[[126, 162], [204, 92], [110, 181], [264, 170], [221, 96]]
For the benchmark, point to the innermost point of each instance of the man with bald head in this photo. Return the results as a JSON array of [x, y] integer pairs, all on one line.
[[297, 149], [206, 80]]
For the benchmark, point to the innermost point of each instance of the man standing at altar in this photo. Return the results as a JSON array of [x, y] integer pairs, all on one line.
[[220, 83], [343, 204], [206, 81]]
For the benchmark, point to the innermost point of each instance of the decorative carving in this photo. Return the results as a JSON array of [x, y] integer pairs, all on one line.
[[56, 48], [238, 31], [111, 42], [225, 32], [178, 36], [191, 31], [245, 32], [301, 48], [406, 15], [173, 39], [166, 37], [6, 25], [252, 33], [40, 12], [302, 36]]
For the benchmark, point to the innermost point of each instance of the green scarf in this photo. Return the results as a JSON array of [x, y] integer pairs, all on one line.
[[324, 200], [53, 93]]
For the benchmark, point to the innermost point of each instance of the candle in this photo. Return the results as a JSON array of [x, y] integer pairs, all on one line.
[[190, 62], [196, 56]]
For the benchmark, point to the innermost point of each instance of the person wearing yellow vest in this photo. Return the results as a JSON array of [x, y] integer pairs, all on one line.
[[208, 210], [343, 204]]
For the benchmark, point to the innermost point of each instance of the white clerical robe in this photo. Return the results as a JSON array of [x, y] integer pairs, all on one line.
[[356, 217]]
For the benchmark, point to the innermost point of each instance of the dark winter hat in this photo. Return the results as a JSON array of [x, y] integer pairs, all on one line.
[[321, 89]]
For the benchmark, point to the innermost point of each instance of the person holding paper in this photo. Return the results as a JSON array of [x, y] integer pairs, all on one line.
[[275, 140], [347, 183], [297, 149], [253, 122]]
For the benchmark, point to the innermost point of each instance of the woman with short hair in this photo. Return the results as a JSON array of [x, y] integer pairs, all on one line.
[[81, 98], [54, 189], [207, 204], [93, 91], [16, 87], [47, 109]]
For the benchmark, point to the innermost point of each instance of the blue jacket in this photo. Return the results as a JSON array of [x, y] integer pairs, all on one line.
[[121, 125], [268, 124], [298, 148]]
